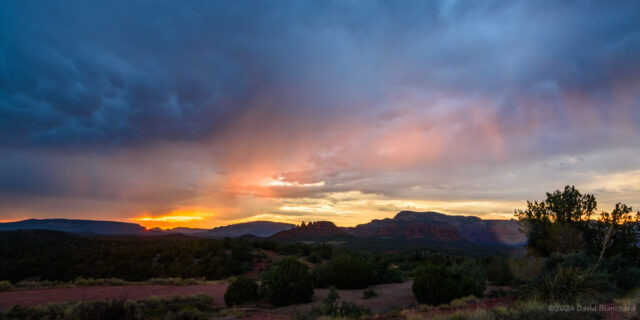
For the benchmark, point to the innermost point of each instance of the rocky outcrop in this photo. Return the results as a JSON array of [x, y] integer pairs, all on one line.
[[313, 231], [436, 226]]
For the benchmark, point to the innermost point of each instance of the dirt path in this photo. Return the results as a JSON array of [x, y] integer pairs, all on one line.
[[137, 292]]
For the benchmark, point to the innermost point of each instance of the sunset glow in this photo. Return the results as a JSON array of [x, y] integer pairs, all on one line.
[[185, 217], [342, 111]]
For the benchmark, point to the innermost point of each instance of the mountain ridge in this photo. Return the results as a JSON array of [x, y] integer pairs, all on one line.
[[430, 225], [405, 227], [76, 226]]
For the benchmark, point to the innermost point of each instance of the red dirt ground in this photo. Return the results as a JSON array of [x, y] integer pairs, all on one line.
[[40, 296], [389, 295]]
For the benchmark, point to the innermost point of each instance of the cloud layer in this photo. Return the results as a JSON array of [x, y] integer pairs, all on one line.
[[353, 108]]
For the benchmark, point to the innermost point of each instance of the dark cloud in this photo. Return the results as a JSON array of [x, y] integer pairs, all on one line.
[[200, 99], [80, 73]]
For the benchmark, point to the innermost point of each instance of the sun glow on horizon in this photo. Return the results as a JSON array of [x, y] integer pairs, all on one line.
[[179, 218], [170, 218]]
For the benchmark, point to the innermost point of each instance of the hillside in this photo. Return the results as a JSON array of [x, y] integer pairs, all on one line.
[[76, 226], [257, 228], [407, 228], [314, 231], [434, 226]]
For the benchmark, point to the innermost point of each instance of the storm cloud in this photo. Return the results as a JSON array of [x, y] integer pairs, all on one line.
[[116, 109]]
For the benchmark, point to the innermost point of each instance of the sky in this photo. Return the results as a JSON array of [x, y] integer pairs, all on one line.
[[207, 113]]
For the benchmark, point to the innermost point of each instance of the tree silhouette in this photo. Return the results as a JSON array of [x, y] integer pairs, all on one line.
[[563, 223]]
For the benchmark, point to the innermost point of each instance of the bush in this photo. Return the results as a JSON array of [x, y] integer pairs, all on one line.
[[314, 257], [350, 310], [193, 307], [526, 269], [88, 282], [567, 285], [329, 307], [6, 286], [173, 281], [498, 271], [627, 278], [434, 284], [288, 282], [321, 276], [107, 309], [472, 278], [241, 290], [186, 315], [368, 294], [350, 272], [384, 272], [158, 307]]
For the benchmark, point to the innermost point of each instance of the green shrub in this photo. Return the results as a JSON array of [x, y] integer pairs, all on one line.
[[350, 310], [471, 276], [196, 307], [321, 276], [385, 272], [498, 293], [41, 284], [435, 284], [6, 286], [329, 307], [390, 275], [186, 315], [329, 303], [173, 281], [498, 271], [158, 307], [288, 282], [628, 278], [88, 282], [314, 257], [526, 269], [241, 290], [567, 285], [104, 309], [368, 294], [350, 271]]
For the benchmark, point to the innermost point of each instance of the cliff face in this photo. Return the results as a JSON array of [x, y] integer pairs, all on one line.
[[312, 231], [436, 226]]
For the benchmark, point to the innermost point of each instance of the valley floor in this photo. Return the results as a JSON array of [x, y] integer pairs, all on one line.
[[397, 295], [29, 297]]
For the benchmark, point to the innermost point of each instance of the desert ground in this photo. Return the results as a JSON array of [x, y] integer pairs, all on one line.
[[390, 295]]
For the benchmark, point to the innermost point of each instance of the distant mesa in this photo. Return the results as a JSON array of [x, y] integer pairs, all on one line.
[[260, 229], [314, 231], [408, 227], [76, 226], [435, 226]]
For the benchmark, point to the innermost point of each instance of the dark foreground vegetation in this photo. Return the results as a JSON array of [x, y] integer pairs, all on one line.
[[575, 256], [53, 255], [195, 307]]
